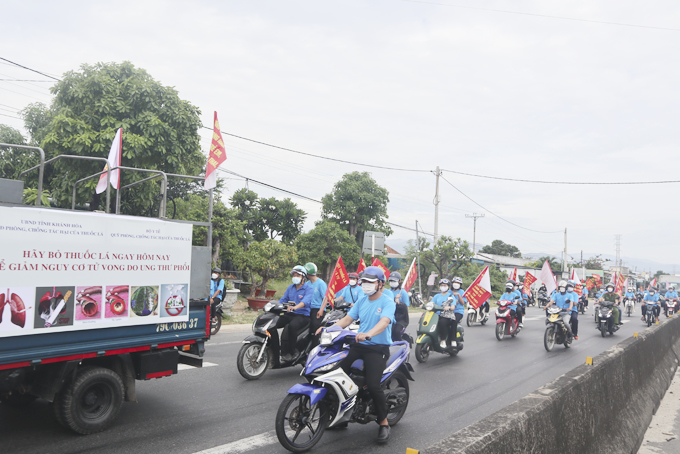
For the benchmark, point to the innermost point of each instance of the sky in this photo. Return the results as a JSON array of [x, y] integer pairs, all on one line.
[[510, 89]]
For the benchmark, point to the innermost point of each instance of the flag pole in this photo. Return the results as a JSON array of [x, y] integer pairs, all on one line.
[[418, 257], [210, 214]]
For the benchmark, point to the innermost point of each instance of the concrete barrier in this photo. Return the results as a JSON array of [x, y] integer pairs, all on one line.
[[603, 408]]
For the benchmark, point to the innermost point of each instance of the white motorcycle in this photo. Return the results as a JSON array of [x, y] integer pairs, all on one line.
[[630, 306], [478, 315]]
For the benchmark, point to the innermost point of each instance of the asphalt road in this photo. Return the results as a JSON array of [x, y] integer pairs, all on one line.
[[214, 407]]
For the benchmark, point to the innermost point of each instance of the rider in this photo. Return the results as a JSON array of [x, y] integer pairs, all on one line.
[[565, 300], [584, 294], [402, 302], [511, 295], [671, 293], [351, 292], [451, 315], [612, 297], [630, 294], [651, 299], [573, 321], [216, 289], [440, 299], [298, 297], [319, 288], [375, 312]]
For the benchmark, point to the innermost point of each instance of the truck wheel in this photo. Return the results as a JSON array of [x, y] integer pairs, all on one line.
[[18, 400], [92, 402], [55, 407]]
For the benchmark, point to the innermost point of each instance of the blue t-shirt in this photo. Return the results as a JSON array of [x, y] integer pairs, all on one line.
[[651, 299], [301, 295], [350, 294], [670, 294], [574, 297], [460, 306], [404, 296], [585, 292], [630, 295], [369, 314], [214, 285], [388, 292], [319, 291], [562, 300], [509, 297], [440, 299]]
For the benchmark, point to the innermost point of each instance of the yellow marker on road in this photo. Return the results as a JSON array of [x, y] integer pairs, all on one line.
[[412, 451], [657, 323], [635, 335], [589, 360]]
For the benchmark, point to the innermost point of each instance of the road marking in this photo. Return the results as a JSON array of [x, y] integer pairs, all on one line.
[[187, 367], [244, 444], [224, 343]]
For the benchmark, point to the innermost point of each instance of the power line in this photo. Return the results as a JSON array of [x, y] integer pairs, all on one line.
[[26, 67], [25, 80], [605, 183], [10, 116], [499, 217], [576, 19]]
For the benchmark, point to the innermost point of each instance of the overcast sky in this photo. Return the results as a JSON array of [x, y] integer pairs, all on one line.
[[411, 85]]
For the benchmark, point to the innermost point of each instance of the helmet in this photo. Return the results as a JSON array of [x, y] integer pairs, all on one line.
[[562, 284], [610, 285], [652, 288], [672, 287], [395, 277], [510, 281], [311, 269], [353, 276], [509, 285], [299, 269], [444, 281], [457, 280], [217, 270], [372, 274]]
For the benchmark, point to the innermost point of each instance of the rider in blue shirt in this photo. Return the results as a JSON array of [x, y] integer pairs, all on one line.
[[565, 300], [671, 293], [351, 292], [447, 326], [402, 302], [319, 287], [651, 301], [573, 321], [298, 298], [511, 295]]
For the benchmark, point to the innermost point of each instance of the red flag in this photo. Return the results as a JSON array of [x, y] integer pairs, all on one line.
[[590, 284], [652, 284], [217, 156], [411, 276], [380, 265], [528, 280], [574, 277], [339, 280], [362, 266], [597, 280], [619, 284], [480, 289], [513, 275]]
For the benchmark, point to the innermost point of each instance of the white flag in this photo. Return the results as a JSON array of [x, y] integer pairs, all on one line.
[[113, 161], [548, 278]]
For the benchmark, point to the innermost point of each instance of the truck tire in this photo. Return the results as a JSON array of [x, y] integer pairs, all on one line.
[[55, 407], [92, 402]]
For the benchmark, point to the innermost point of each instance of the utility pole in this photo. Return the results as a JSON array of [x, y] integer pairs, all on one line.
[[564, 259], [617, 243], [420, 290], [474, 216], [436, 208]]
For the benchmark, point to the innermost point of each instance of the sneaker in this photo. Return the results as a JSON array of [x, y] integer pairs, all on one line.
[[286, 358], [442, 344], [454, 344], [521, 325], [575, 337], [383, 434]]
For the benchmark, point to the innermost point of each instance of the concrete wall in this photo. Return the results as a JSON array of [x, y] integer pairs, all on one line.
[[603, 408]]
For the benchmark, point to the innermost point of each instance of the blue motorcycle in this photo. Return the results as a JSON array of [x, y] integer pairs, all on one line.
[[332, 399]]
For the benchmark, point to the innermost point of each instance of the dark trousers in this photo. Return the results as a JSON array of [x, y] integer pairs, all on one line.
[[397, 328], [315, 323], [665, 308], [518, 313], [448, 327], [292, 324], [574, 323], [375, 360]]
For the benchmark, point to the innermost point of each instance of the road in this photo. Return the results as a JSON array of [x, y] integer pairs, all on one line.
[[199, 409]]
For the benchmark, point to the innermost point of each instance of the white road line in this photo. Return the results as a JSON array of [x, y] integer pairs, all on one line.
[[209, 344], [244, 444], [188, 367]]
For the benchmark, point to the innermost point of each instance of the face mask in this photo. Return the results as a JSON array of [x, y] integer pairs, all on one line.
[[297, 280], [368, 288], [562, 289], [394, 284], [456, 286], [570, 289], [651, 293], [352, 282], [215, 275], [443, 288]]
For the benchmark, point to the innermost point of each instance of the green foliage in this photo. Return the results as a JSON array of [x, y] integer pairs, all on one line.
[[555, 265], [160, 132], [594, 263], [14, 160], [323, 244], [31, 195], [659, 273], [37, 118], [266, 260], [357, 203], [498, 247], [268, 218], [447, 256]]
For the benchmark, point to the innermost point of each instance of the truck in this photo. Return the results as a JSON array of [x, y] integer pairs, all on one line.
[[90, 302]]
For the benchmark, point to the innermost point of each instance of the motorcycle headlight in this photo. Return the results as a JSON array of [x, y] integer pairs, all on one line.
[[327, 337], [429, 306], [269, 305], [327, 367]]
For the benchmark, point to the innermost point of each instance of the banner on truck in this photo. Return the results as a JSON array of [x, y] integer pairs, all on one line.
[[68, 271]]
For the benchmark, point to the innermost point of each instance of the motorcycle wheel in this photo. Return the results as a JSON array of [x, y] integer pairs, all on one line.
[[422, 352], [215, 324], [470, 319], [246, 361], [483, 322], [649, 321], [603, 329], [610, 326], [500, 331], [397, 382], [549, 338], [299, 426]]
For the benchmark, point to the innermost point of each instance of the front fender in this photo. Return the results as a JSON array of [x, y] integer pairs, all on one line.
[[253, 339], [406, 369], [424, 339], [315, 393]]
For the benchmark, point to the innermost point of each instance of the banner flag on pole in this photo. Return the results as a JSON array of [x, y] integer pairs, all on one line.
[[339, 280], [625, 285], [620, 281], [513, 275], [217, 156], [548, 278], [578, 288], [411, 276], [528, 280], [590, 284], [113, 161], [652, 284], [361, 267], [379, 264], [480, 289], [597, 280]]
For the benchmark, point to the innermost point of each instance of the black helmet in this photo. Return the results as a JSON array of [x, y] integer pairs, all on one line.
[[395, 277]]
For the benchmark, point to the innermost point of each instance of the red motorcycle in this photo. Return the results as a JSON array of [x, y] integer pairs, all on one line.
[[506, 322], [672, 306]]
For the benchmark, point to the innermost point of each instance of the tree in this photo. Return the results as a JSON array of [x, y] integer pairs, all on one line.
[[659, 273], [447, 256], [37, 117], [160, 131], [498, 247], [14, 160], [266, 260], [323, 244], [268, 218], [594, 263], [357, 203], [555, 265]]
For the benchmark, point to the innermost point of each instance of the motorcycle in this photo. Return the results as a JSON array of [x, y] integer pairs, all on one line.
[[331, 398], [428, 338], [506, 323], [216, 318], [531, 301], [629, 304], [542, 299], [557, 331], [477, 315], [605, 318], [257, 354], [582, 304], [416, 298], [672, 304], [649, 315]]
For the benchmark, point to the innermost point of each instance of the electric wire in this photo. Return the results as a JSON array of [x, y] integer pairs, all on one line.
[[601, 183], [25, 67]]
